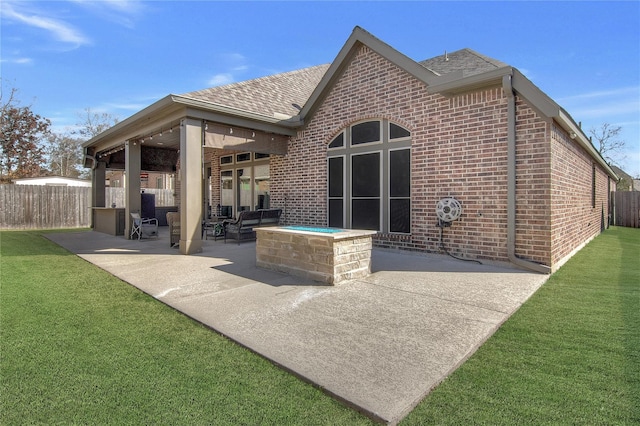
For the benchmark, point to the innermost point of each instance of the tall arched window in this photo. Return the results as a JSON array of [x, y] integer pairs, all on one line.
[[369, 177]]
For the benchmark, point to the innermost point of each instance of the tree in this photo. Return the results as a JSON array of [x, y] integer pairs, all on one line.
[[22, 134], [65, 155], [607, 142], [94, 123]]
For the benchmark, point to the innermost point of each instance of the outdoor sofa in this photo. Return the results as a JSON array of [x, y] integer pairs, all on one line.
[[242, 228]]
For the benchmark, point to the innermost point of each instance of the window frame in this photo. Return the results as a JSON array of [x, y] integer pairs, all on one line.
[[390, 197], [344, 137], [349, 137], [243, 161], [380, 197], [400, 139], [343, 198], [593, 185], [231, 156], [384, 147]]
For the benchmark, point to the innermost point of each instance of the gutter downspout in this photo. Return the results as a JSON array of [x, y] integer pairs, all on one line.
[[511, 182]]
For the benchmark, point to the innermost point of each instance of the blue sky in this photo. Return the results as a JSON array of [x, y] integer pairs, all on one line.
[[121, 56]]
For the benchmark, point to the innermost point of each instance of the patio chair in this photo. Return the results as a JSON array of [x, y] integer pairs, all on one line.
[[173, 220], [146, 227]]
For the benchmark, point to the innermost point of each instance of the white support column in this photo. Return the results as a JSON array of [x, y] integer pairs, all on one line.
[[132, 161], [191, 186]]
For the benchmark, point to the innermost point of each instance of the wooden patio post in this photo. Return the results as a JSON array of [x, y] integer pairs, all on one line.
[[132, 183], [191, 186]]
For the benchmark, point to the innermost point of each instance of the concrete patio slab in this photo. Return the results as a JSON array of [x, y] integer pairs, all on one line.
[[379, 344]]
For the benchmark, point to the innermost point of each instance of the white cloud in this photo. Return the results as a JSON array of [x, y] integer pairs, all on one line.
[[599, 94], [233, 58], [631, 164], [122, 12], [58, 29], [606, 109], [221, 79], [125, 6], [234, 63], [20, 61], [126, 106], [131, 106], [616, 104]]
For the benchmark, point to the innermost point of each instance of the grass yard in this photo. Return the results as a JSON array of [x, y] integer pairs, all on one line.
[[569, 355], [80, 346]]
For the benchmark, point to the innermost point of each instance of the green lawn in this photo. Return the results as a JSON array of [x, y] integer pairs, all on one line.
[[80, 346], [570, 355]]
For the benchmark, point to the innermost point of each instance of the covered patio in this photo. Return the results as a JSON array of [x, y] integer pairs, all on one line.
[[183, 136]]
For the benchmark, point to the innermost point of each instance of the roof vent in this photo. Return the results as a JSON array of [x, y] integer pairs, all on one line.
[[446, 56]]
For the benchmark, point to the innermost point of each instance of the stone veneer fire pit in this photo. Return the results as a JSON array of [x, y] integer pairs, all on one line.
[[327, 255]]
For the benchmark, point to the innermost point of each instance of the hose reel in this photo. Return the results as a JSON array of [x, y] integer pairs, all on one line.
[[448, 209]]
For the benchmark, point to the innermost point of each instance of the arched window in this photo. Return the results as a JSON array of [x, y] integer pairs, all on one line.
[[369, 177]]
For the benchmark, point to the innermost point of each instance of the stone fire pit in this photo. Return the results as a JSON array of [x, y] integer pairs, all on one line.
[[327, 255]]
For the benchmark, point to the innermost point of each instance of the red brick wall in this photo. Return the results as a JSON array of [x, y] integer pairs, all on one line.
[[533, 177], [574, 218], [212, 157], [459, 149]]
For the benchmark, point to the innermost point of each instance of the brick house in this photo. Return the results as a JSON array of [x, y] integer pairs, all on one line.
[[375, 140]]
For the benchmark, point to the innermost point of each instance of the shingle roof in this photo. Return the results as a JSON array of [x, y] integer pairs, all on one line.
[[276, 94], [284, 94], [465, 60]]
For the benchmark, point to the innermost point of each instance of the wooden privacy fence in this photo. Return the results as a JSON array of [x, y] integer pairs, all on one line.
[[42, 207], [45, 207], [626, 210], [164, 197]]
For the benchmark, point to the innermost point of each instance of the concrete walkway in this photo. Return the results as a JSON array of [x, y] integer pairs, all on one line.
[[379, 344]]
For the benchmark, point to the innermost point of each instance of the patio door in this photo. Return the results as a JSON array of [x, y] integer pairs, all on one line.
[[244, 183]]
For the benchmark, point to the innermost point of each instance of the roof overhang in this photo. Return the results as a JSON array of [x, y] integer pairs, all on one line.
[[167, 113], [454, 83]]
